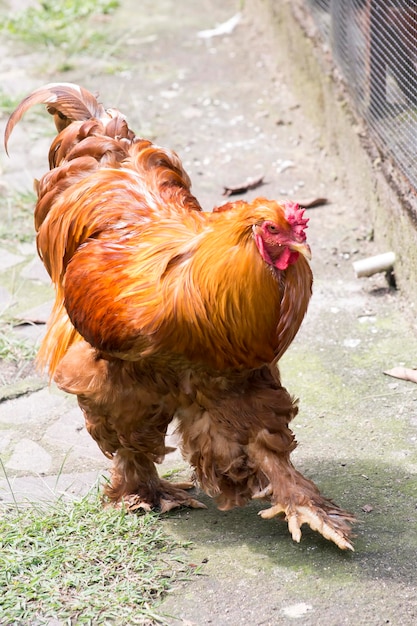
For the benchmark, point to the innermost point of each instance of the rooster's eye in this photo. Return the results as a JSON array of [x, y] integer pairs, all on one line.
[[271, 228]]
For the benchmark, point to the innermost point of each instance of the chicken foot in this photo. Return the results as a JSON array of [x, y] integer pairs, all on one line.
[[331, 524], [300, 501], [171, 496], [136, 484]]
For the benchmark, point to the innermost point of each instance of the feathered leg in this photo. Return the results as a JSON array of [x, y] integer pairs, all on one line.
[[296, 497], [289, 492], [135, 483], [128, 419], [240, 444]]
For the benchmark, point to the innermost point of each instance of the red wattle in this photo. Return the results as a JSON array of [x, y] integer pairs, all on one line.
[[288, 257]]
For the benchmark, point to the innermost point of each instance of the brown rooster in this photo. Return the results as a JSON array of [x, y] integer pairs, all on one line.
[[163, 311]]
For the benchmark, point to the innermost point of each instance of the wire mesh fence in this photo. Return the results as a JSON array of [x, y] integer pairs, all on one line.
[[374, 43]]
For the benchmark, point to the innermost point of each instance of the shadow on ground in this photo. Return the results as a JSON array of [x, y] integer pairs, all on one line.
[[250, 570]]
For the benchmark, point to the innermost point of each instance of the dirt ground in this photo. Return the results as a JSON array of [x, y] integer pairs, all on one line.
[[225, 104]]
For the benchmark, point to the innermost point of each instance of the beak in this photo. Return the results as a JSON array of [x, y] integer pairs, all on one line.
[[302, 248]]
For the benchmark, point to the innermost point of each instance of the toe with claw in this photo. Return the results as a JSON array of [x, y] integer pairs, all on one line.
[[334, 524], [299, 500]]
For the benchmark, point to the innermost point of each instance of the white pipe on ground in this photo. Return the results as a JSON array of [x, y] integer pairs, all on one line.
[[374, 264]]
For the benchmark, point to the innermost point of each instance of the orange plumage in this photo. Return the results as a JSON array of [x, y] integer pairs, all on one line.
[[163, 311]]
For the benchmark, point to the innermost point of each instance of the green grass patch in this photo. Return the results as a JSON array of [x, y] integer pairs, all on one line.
[[61, 23], [80, 562], [16, 217], [14, 348]]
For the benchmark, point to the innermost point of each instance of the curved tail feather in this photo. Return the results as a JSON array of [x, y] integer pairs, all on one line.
[[67, 102]]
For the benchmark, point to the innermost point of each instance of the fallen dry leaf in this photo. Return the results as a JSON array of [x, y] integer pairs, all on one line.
[[251, 183], [367, 508], [405, 373], [310, 204]]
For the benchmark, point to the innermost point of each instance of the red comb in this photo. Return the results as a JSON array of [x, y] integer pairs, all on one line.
[[294, 216]]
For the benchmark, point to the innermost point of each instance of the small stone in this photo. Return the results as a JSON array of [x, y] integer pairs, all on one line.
[[351, 343], [297, 610]]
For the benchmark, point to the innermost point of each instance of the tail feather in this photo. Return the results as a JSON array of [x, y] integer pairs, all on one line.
[[102, 178], [67, 102], [60, 335]]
